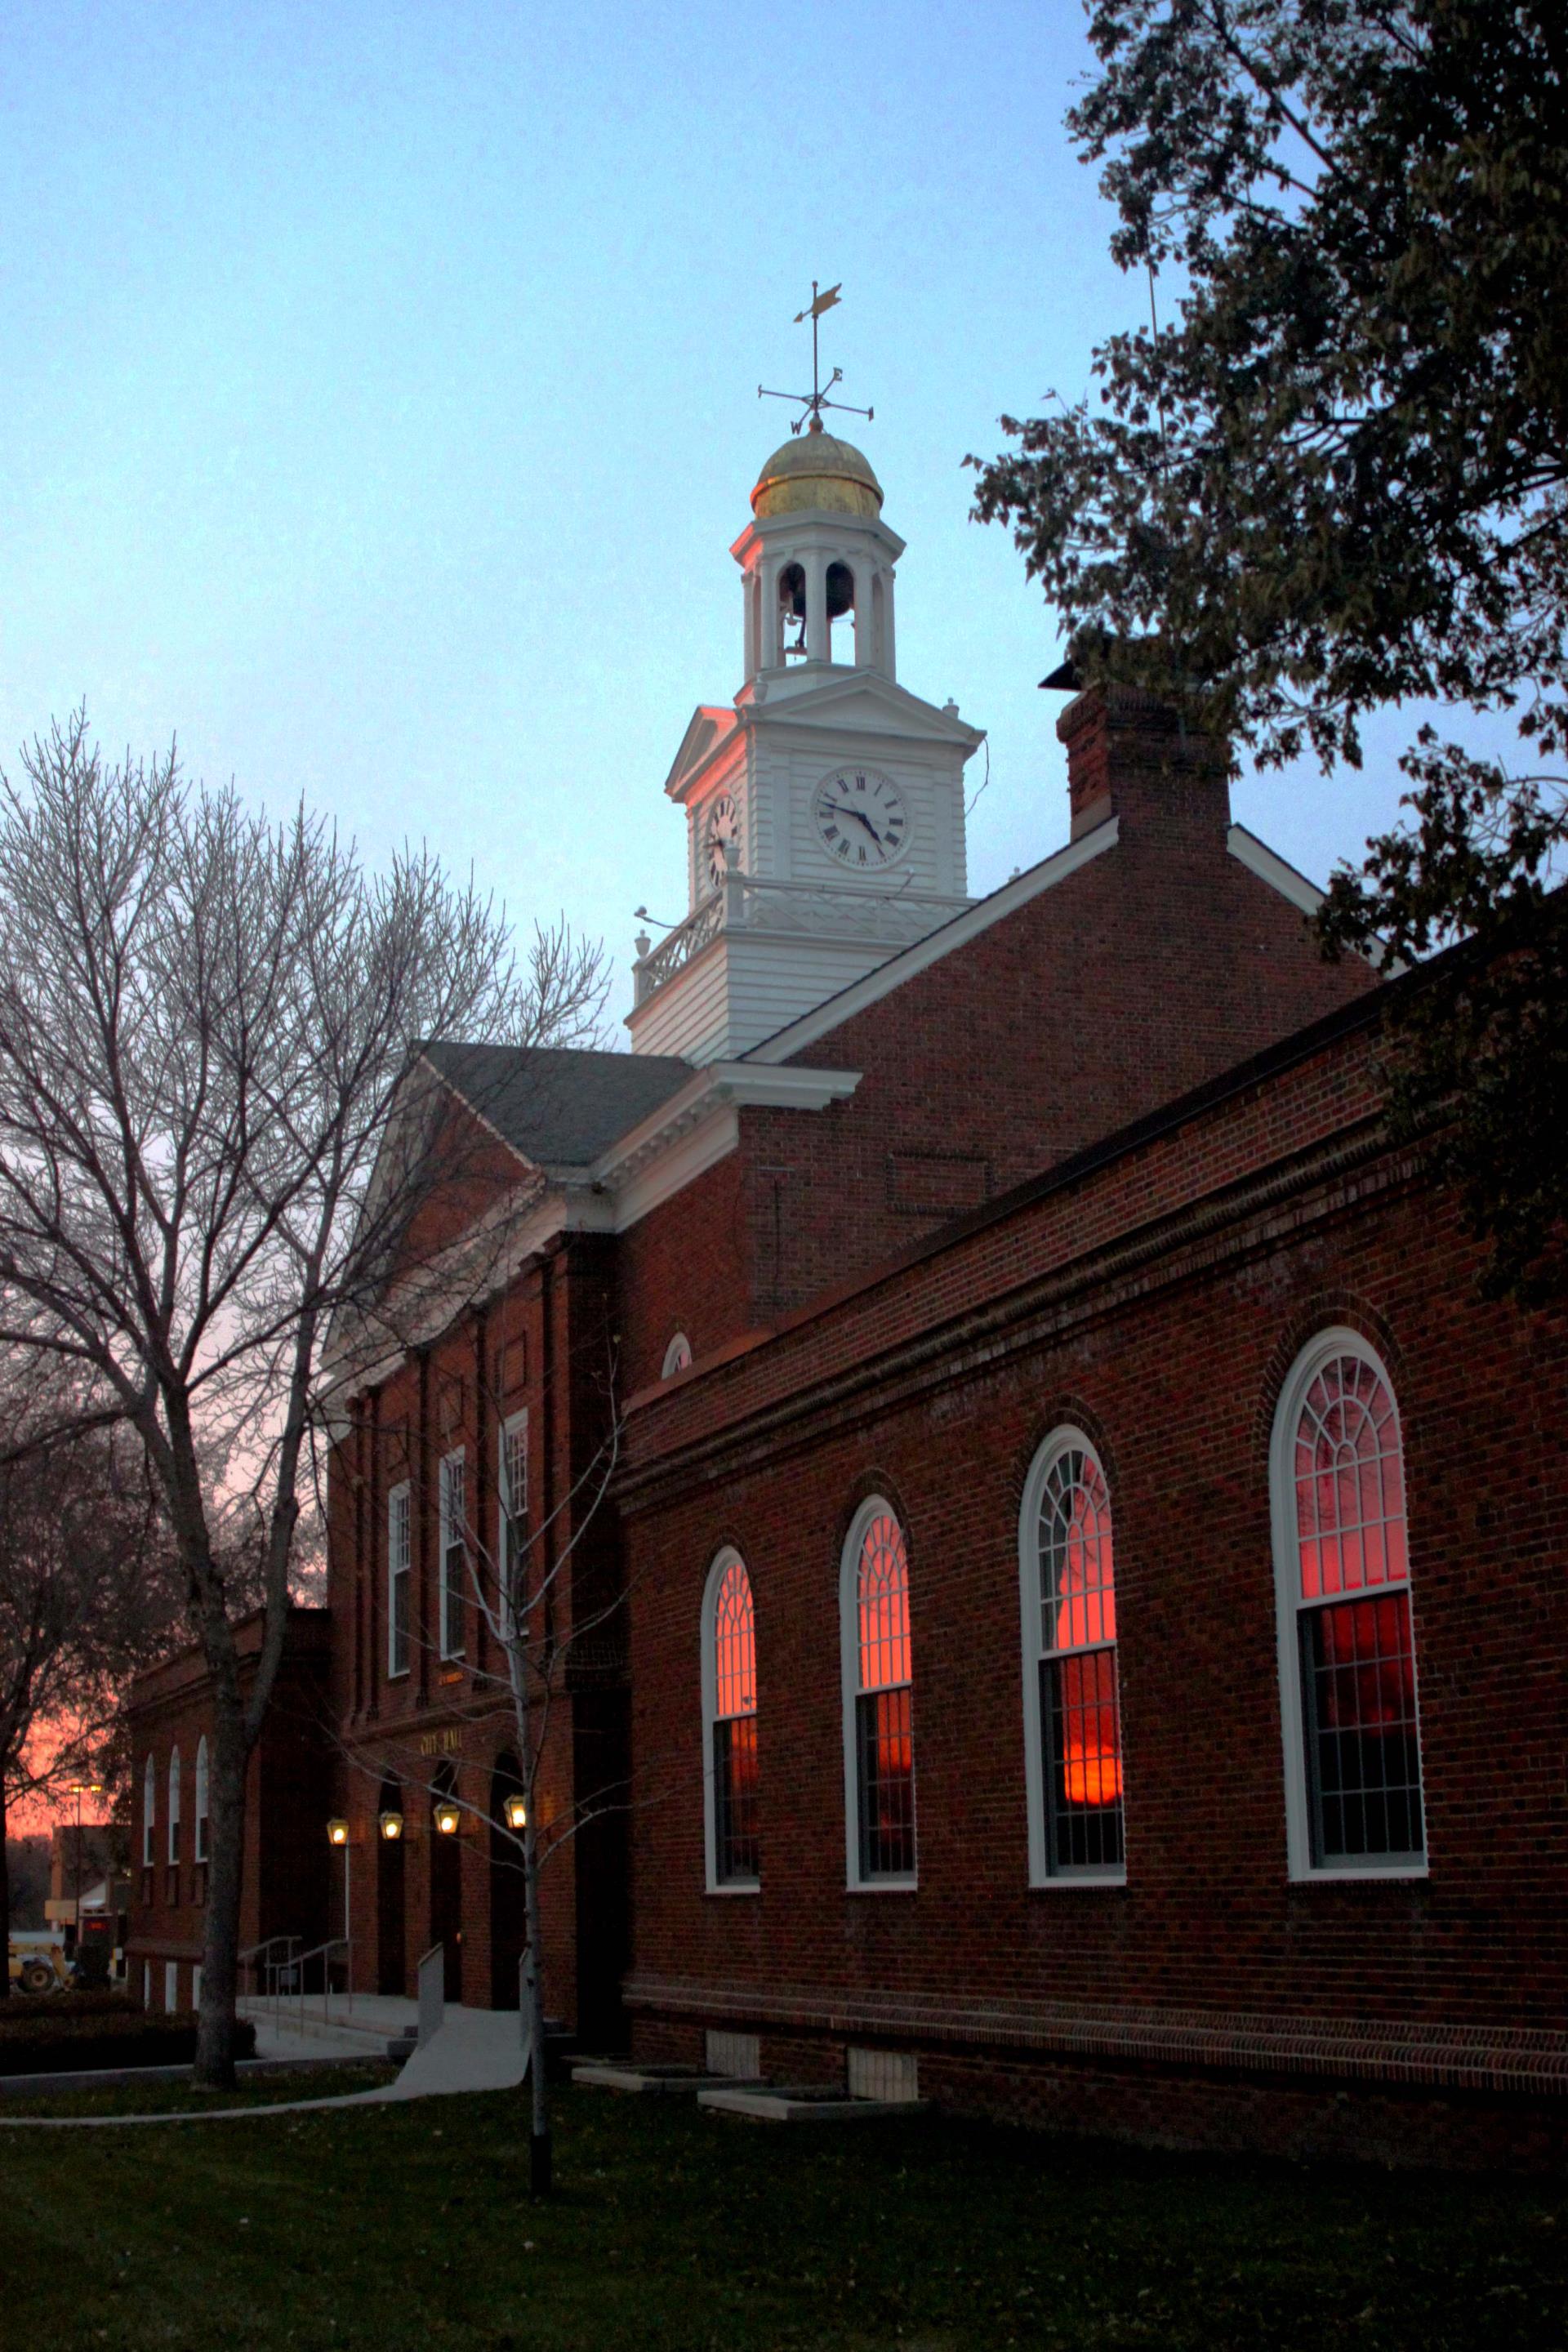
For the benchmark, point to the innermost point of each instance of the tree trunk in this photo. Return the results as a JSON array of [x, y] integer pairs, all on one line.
[[4, 1903], [225, 1871], [539, 2151]]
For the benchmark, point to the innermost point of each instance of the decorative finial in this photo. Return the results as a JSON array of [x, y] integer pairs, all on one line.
[[814, 401]]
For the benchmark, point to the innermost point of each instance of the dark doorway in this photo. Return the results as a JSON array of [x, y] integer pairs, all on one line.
[[447, 1887], [391, 1904], [509, 1906]]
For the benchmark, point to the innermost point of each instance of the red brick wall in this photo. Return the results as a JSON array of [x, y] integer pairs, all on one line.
[[290, 1789], [1172, 1363]]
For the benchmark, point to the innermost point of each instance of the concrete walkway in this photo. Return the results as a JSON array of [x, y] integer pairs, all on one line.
[[471, 2050]]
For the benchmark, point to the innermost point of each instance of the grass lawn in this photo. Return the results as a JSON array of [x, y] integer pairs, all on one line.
[[180, 2098], [402, 2228]]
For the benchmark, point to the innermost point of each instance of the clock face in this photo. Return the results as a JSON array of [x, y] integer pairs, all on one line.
[[862, 819], [723, 825]]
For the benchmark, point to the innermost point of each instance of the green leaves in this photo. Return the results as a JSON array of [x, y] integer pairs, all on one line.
[[1336, 478]]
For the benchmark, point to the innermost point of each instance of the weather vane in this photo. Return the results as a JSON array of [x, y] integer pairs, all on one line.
[[814, 401]]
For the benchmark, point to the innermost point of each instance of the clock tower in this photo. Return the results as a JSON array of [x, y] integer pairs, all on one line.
[[824, 804]]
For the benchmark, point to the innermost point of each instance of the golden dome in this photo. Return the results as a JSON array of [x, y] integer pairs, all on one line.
[[814, 470]]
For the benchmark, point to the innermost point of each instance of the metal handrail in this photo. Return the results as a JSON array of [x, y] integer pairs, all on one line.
[[269, 1967], [298, 1969]]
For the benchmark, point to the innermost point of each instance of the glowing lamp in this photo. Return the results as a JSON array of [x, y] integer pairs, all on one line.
[[516, 1811], [446, 1818], [337, 1831], [392, 1827]]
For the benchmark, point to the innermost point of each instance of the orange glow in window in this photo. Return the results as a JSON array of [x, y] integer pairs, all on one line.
[[884, 1606]]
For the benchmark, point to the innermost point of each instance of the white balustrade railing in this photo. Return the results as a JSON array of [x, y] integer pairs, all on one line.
[[742, 902]]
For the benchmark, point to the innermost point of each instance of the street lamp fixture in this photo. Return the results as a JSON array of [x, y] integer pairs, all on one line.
[[336, 1832], [392, 1827], [446, 1818], [515, 1808]]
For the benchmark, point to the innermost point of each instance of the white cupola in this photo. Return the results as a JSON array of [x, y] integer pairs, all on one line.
[[824, 803]]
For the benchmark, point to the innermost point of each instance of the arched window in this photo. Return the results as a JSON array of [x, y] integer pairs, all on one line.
[[1072, 1713], [729, 1726], [201, 1848], [149, 1811], [1347, 1656], [677, 1356], [879, 1700], [173, 1804]]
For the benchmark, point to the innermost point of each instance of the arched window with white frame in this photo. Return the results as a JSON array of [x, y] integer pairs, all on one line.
[[1072, 1711], [149, 1811], [201, 1845], [730, 1727], [1347, 1651], [879, 1700], [677, 1356], [173, 1804]]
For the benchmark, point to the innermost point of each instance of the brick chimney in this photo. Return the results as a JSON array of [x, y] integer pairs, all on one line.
[[1133, 756]]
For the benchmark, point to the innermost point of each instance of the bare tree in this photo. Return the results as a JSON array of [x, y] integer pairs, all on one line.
[[85, 1599], [207, 1021], [544, 1611]]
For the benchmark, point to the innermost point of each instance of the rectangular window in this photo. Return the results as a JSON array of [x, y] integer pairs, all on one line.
[[171, 1984], [884, 1722], [1363, 1758], [196, 1986], [737, 1842], [399, 1565], [454, 1552], [513, 1446]]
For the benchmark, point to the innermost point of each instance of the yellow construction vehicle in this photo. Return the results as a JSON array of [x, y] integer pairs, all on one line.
[[37, 1967]]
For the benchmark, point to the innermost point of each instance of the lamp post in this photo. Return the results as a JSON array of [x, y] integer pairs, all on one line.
[[338, 1834]]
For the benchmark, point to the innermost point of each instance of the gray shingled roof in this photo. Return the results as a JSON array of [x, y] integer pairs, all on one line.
[[561, 1107]]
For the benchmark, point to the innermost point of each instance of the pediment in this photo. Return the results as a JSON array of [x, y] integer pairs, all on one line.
[[861, 699], [710, 726]]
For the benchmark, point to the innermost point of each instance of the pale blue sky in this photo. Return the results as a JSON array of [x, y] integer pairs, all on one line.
[[380, 395]]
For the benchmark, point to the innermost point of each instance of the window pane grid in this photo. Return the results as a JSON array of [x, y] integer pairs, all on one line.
[[454, 1526], [1357, 1658], [885, 1729], [1080, 1721], [884, 1705], [735, 1645], [513, 1523], [1357, 1676], [399, 1552], [736, 1839]]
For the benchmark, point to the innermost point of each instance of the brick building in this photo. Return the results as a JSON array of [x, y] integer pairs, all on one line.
[[1058, 1569]]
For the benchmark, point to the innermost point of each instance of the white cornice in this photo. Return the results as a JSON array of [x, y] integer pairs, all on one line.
[[1270, 868], [711, 1095], [936, 944]]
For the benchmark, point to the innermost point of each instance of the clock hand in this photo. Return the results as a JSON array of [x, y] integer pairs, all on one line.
[[859, 818]]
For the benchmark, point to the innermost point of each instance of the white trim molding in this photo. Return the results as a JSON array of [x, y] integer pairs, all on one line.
[[1270, 868], [724, 1560], [1066, 1438], [857, 1880], [1329, 1344]]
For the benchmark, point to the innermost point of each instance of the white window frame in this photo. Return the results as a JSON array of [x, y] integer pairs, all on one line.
[[149, 1811], [455, 1461], [201, 1800], [1321, 1349], [174, 1843], [1064, 1439], [399, 1500], [723, 1561], [875, 1506], [511, 1451], [677, 1356]]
